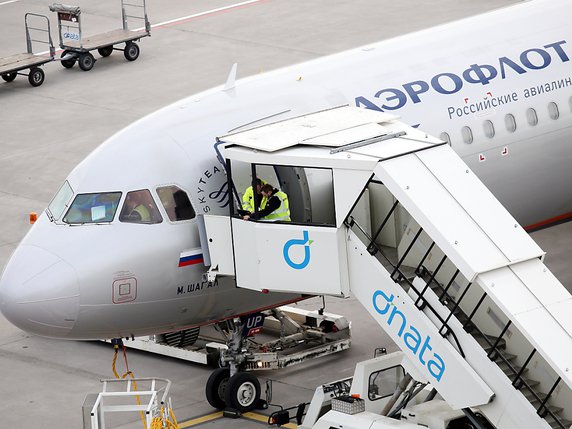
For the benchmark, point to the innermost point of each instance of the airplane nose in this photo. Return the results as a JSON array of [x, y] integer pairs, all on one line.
[[39, 292]]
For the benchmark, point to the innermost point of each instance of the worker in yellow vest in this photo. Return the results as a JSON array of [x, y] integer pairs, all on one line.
[[277, 207], [248, 199], [135, 209]]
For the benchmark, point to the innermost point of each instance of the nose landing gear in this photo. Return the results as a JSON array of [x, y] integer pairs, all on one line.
[[303, 335], [229, 387]]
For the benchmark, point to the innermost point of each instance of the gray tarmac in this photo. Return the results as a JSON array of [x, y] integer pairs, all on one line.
[[46, 131]]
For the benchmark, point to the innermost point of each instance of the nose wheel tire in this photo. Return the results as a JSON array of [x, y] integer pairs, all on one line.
[[242, 392], [216, 388]]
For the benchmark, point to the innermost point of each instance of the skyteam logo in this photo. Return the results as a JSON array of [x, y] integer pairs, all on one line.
[[306, 242]]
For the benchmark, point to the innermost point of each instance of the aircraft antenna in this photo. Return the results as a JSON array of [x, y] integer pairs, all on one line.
[[231, 79]]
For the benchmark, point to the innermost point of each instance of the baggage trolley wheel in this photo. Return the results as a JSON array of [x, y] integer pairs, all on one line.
[[105, 51], [36, 76], [69, 63], [86, 61], [9, 77], [131, 51]]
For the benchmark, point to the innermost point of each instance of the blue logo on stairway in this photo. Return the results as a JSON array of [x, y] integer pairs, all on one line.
[[298, 242], [411, 337]]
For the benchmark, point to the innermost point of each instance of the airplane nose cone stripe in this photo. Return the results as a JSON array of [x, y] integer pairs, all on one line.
[[39, 292]]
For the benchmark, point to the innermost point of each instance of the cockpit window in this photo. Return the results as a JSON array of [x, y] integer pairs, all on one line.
[[139, 207], [176, 203], [93, 208], [60, 202]]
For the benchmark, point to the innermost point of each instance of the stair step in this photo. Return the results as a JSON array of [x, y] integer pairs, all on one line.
[[508, 356], [553, 424], [530, 382], [555, 410], [508, 370], [460, 314], [528, 395], [485, 345]]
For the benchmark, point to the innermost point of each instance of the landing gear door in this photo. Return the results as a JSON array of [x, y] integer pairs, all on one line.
[[290, 258]]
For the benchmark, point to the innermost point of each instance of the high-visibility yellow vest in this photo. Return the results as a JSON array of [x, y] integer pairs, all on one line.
[[248, 199], [282, 213], [143, 213]]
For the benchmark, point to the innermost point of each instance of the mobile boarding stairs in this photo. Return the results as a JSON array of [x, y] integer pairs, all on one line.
[[435, 259]]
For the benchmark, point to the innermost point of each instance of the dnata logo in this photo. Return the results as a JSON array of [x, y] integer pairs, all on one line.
[[298, 242], [410, 335]]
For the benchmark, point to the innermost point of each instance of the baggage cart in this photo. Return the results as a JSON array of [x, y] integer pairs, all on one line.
[[14, 65], [78, 48]]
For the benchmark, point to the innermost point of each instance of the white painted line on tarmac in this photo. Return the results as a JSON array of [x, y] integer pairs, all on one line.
[[8, 2], [183, 18], [200, 14]]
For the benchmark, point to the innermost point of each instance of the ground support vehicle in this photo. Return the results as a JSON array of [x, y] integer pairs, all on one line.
[[78, 48], [433, 257], [12, 66], [271, 339], [382, 394]]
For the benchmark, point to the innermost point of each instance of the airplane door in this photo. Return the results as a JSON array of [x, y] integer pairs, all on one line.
[[216, 242], [294, 182]]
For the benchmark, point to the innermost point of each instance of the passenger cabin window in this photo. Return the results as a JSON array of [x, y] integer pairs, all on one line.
[[446, 138], [553, 111], [510, 123], [489, 129], [139, 207], [60, 202], [176, 203], [531, 117], [93, 208], [467, 134]]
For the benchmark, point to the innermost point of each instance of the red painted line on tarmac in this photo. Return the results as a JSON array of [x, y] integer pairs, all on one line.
[[549, 222]]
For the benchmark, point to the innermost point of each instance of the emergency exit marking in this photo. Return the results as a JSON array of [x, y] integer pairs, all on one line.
[[124, 290], [504, 151], [482, 158]]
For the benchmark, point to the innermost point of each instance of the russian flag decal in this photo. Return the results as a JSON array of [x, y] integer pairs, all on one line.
[[191, 257]]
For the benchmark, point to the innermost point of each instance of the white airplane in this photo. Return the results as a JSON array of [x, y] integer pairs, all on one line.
[[497, 87]]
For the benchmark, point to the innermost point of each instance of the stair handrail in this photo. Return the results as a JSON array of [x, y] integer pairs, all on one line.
[[349, 223]]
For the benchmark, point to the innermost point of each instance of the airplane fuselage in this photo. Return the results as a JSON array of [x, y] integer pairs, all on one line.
[[473, 82]]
